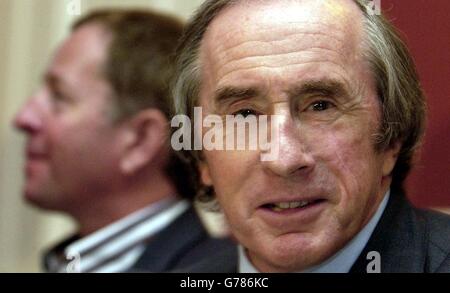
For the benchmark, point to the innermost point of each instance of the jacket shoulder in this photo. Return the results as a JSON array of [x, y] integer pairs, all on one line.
[[438, 228], [409, 239], [220, 261], [184, 242]]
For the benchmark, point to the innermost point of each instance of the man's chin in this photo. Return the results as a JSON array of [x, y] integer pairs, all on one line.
[[38, 200], [293, 255], [286, 263]]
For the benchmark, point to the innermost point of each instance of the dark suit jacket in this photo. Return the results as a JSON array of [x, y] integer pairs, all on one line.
[[407, 239], [181, 244]]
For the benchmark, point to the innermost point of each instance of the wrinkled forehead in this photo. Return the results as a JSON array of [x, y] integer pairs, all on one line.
[[249, 20]]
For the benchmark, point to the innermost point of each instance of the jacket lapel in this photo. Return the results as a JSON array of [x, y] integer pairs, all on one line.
[[399, 238], [165, 248]]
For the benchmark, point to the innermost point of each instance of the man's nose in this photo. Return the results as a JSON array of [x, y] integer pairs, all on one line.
[[28, 118], [294, 157]]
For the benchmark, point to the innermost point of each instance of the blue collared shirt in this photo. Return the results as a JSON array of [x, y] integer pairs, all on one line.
[[343, 260]]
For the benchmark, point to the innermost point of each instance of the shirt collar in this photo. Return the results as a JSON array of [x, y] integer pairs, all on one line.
[[118, 242], [103, 235], [343, 260]]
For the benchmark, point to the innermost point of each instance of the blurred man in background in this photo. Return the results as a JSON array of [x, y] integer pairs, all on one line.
[[98, 149]]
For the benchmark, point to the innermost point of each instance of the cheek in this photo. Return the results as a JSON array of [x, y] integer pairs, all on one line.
[[348, 157], [84, 148], [232, 188], [230, 172], [220, 165], [68, 142], [346, 149]]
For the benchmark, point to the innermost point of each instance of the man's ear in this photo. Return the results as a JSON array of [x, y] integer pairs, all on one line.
[[146, 136], [390, 158], [205, 175]]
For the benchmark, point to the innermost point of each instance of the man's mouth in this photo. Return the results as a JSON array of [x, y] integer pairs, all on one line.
[[36, 154], [291, 205], [289, 215]]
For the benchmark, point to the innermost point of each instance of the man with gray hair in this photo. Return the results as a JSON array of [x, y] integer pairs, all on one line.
[[350, 116]]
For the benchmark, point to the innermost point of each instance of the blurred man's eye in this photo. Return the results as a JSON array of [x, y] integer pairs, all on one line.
[[59, 101], [57, 97]]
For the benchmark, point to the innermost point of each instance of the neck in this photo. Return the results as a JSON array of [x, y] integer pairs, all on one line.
[[110, 207]]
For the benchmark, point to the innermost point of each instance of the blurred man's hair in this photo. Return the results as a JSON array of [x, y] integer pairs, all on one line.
[[138, 67]]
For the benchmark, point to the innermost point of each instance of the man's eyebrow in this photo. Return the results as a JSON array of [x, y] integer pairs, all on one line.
[[322, 87], [229, 94]]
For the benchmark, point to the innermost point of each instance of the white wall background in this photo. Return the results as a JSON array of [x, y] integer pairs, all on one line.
[[29, 32]]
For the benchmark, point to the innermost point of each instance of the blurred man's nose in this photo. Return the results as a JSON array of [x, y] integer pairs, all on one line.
[[293, 157], [28, 118]]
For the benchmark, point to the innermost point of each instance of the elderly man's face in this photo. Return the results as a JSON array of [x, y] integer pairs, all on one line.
[[301, 60], [71, 149]]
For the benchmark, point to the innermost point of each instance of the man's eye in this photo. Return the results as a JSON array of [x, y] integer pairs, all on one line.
[[320, 106], [245, 113], [57, 97], [59, 101]]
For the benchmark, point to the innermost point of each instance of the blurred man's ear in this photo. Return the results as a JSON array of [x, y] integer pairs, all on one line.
[[390, 158], [205, 175], [146, 135]]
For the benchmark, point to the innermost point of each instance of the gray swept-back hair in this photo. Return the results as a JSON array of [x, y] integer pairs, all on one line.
[[401, 97]]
